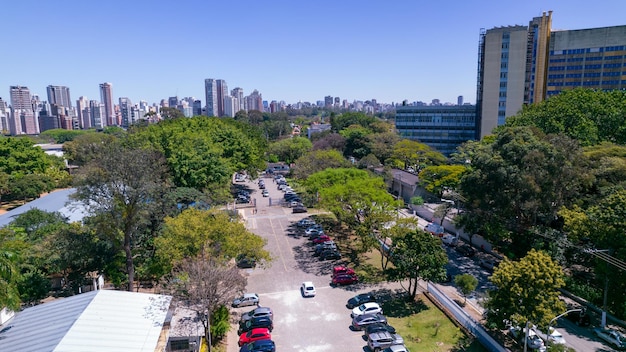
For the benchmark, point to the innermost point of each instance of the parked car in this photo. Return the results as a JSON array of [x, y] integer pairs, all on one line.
[[466, 250], [613, 337], [383, 339], [487, 263], [248, 299], [330, 254], [361, 322], [434, 229], [299, 209], [307, 289], [321, 239], [313, 227], [259, 346], [449, 240], [340, 270], [344, 280], [305, 223], [260, 322], [245, 262], [258, 312], [360, 299], [396, 348], [265, 193], [294, 204], [555, 337], [378, 327], [579, 318], [328, 245], [367, 308], [254, 335]]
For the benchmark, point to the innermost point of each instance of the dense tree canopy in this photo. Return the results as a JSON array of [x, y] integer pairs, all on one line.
[[589, 116], [437, 179], [343, 121], [526, 290], [318, 160], [290, 149], [519, 181], [407, 153]]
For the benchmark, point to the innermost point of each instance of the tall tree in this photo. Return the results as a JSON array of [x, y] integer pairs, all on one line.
[[290, 149], [417, 255], [9, 269], [408, 153], [526, 290], [519, 181], [466, 283], [318, 160], [440, 178], [122, 187], [204, 286]]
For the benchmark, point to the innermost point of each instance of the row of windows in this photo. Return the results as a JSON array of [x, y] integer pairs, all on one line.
[[556, 60], [433, 120], [586, 83], [586, 67], [575, 59], [587, 50]]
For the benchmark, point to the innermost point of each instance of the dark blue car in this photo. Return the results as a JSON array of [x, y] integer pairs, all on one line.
[[259, 345]]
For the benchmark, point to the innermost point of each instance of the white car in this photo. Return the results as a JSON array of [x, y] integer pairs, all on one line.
[[556, 337], [307, 289], [367, 308]]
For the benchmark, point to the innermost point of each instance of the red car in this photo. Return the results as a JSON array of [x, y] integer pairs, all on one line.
[[321, 239], [254, 335], [344, 279], [342, 270]]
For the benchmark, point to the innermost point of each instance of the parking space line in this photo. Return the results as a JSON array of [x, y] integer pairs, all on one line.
[[282, 259]]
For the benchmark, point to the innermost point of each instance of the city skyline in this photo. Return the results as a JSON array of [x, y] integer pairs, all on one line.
[[291, 53]]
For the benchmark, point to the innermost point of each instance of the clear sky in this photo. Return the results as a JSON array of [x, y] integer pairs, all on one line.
[[291, 50]]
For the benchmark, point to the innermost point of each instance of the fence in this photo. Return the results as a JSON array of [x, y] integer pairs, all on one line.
[[465, 320]]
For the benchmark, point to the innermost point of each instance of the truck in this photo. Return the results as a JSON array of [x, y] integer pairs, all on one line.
[[613, 337]]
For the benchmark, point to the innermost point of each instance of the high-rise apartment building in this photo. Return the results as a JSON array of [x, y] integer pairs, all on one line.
[[197, 107], [82, 111], [106, 97], [210, 91], [237, 93], [59, 95], [172, 102], [97, 114], [126, 107], [222, 92], [254, 101], [22, 119]]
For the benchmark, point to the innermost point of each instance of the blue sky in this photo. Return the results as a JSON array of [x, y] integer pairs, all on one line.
[[288, 50]]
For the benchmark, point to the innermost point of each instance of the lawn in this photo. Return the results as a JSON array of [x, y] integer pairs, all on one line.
[[425, 328]]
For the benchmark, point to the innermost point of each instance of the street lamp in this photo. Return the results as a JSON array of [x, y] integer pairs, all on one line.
[[557, 317]]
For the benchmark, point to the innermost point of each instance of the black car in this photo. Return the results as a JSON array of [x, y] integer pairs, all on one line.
[[579, 318], [299, 209], [259, 345], [245, 263], [360, 299], [319, 248], [260, 322], [466, 250], [379, 327], [330, 254]]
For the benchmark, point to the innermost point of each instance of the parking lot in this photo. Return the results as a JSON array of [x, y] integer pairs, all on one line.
[[319, 323]]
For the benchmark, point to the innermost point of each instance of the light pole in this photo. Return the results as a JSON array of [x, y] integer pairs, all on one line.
[[555, 318]]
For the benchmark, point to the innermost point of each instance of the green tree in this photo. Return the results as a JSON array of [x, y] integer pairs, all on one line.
[[381, 143], [318, 160], [328, 140], [209, 234], [9, 269], [170, 113], [33, 286], [586, 115], [417, 255], [86, 147], [356, 141], [518, 182], [466, 283], [439, 178], [407, 153], [290, 149], [526, 290], [121, 189], [343, 121], [61, 135]]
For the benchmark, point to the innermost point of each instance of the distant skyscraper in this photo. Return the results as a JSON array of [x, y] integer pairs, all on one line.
[[197, 107], [222, 92], [210, 90], [81, 105], [328, 101], [22, 115], [59, 95], [126, 111], [97, 114], [459, 100], [254, 101], [4, 117], [237, 93], [229, 106], [106, 97], [172, 102]]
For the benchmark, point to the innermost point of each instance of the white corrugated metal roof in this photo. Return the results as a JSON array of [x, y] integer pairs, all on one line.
[[102, 320]]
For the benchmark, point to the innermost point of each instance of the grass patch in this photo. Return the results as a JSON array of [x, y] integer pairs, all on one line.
[[425, 328]]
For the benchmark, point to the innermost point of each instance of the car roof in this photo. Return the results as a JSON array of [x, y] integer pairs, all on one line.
[[370, 304], [308, 283], [259, 331], [261, 310], [377, 316], [246, 295]]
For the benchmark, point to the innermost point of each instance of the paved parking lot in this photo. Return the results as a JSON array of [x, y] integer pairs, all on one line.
[[320, 323]]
